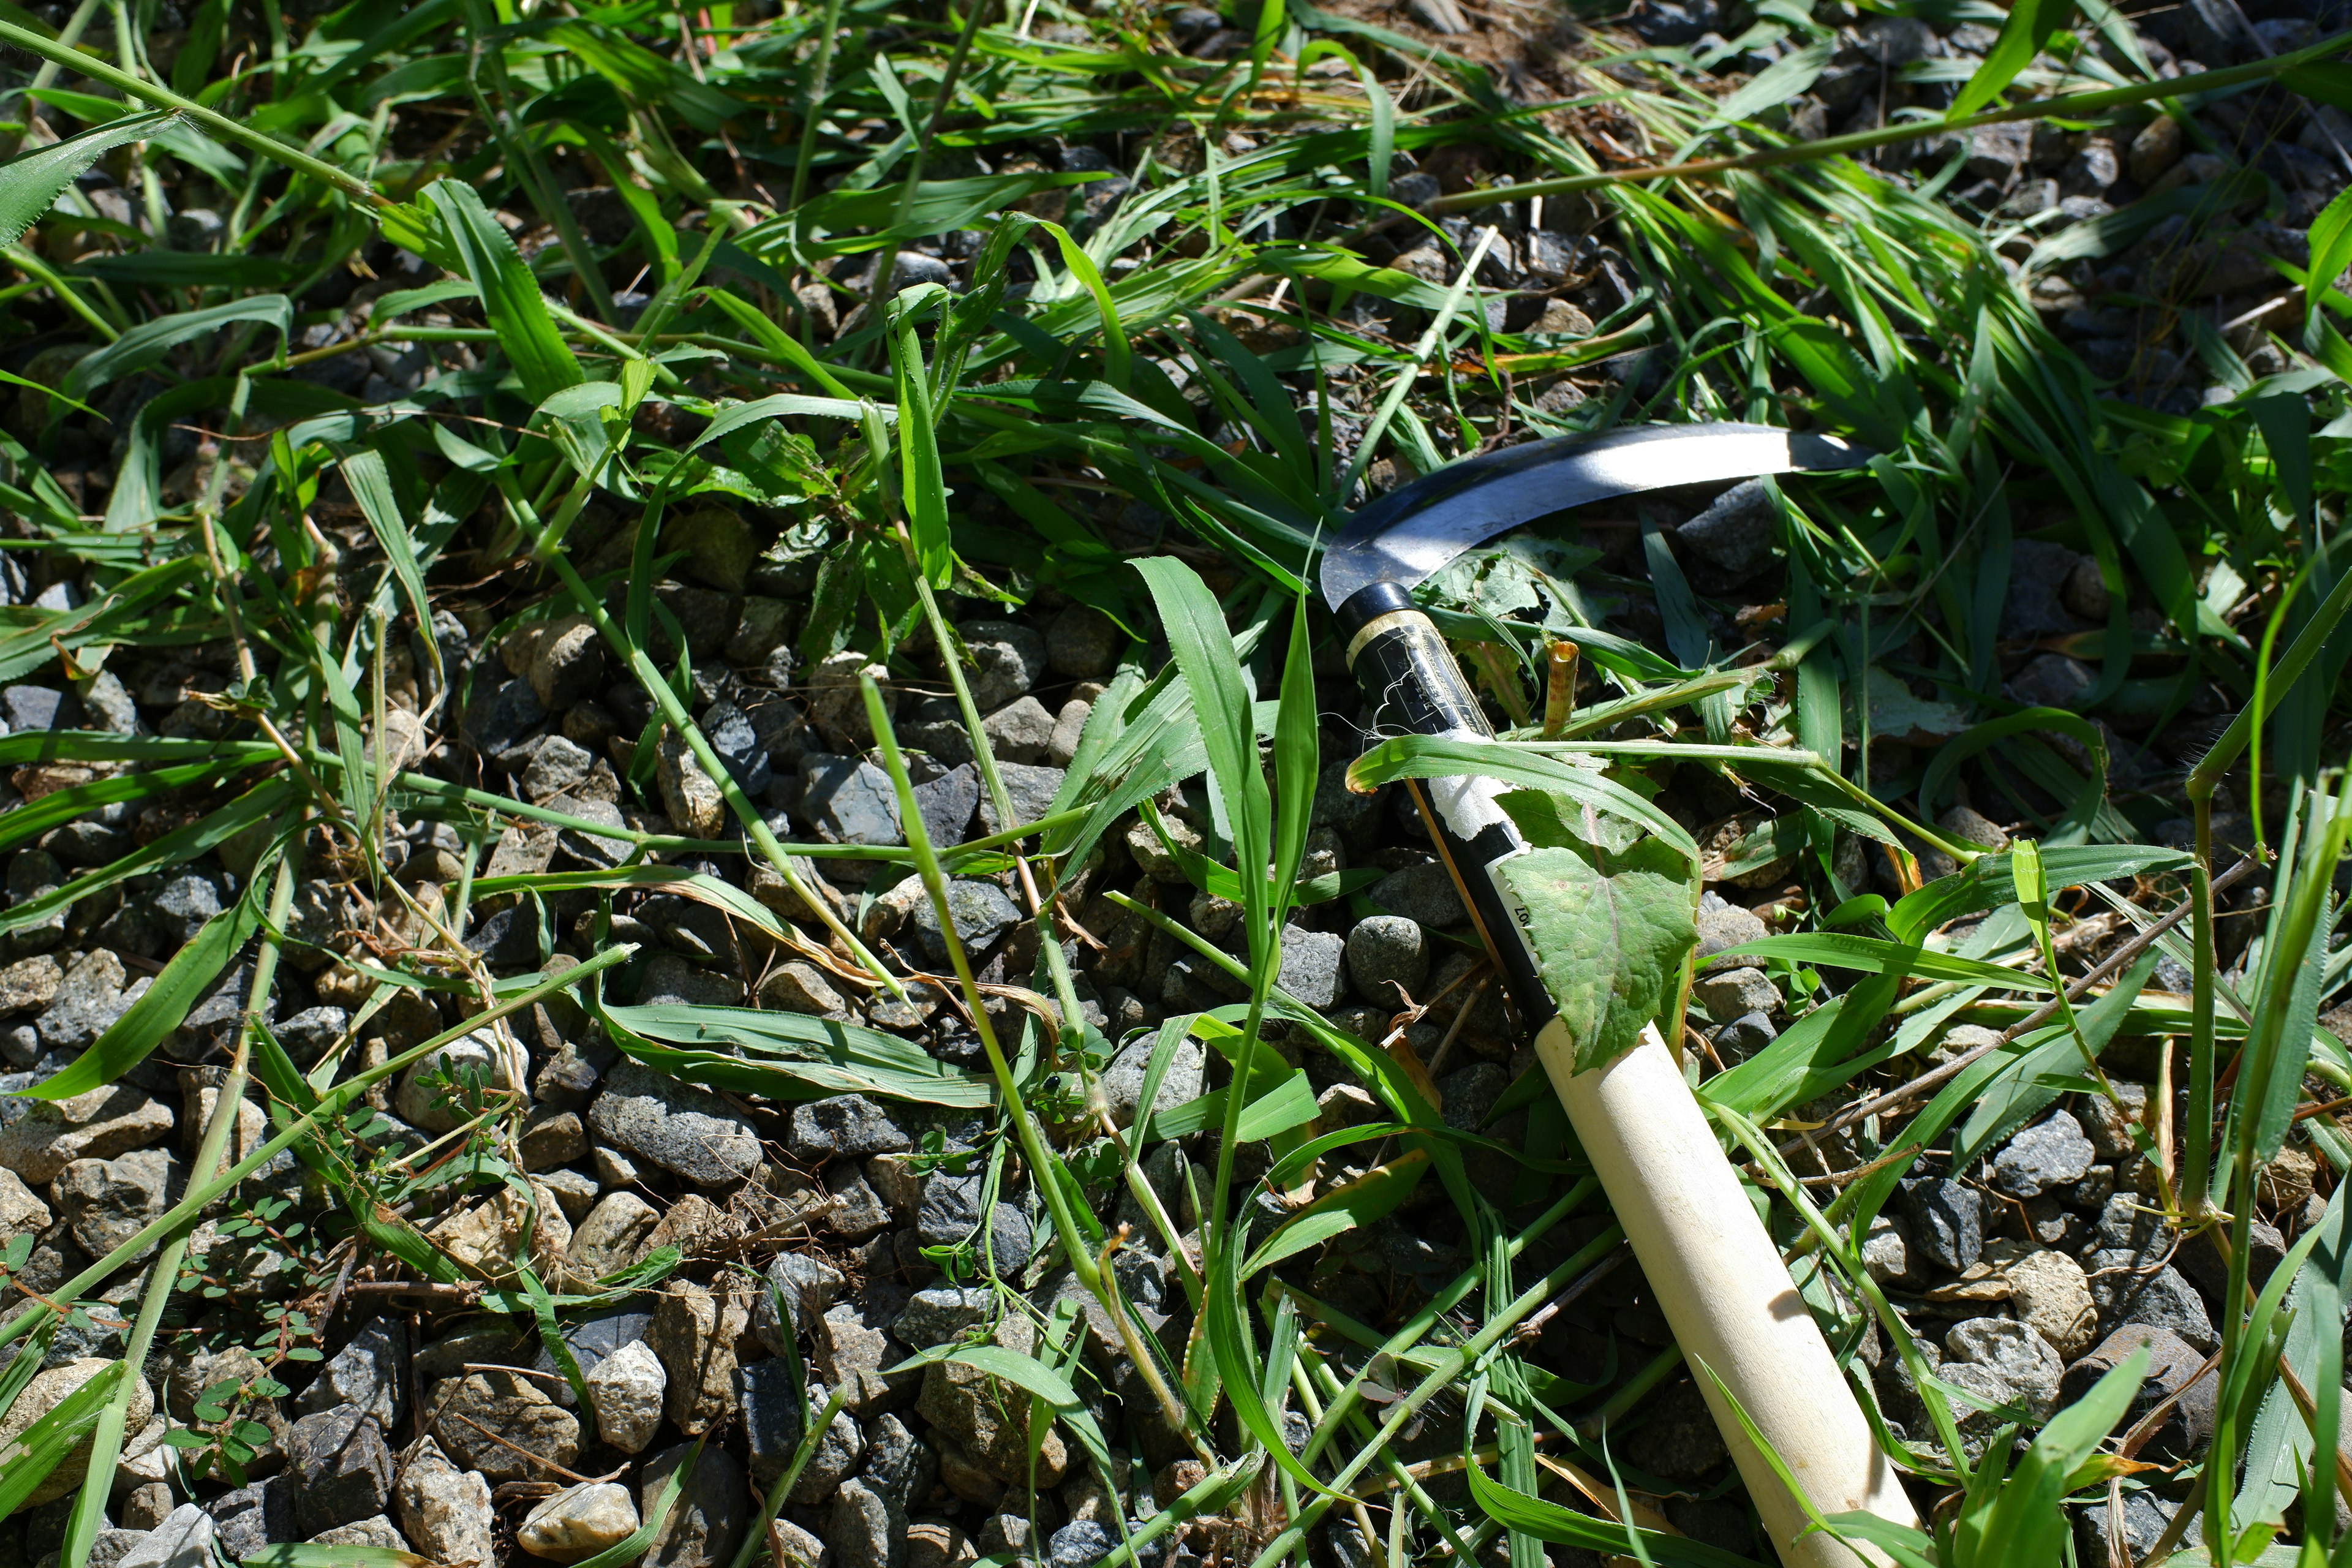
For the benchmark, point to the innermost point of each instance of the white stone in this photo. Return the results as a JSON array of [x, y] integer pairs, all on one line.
[[185, 1539], [626, 1389], [578, 1523]]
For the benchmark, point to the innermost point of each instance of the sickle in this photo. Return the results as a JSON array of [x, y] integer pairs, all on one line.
[[1715, 1272]]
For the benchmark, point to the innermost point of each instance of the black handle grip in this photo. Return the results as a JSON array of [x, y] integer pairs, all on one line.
[[1412, 685]]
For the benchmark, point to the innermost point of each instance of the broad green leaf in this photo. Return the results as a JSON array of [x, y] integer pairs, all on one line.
[[1610, 948], [510, 297], [31, 182]]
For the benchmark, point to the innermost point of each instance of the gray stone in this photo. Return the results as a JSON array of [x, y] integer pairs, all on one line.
[[145, 1507], [708, 1520], [558, 767], [308, 1033], [986, 1419], [849, 1126], [588, 849], [2052, 681], [1721, 927], [686, 1130], [799, 986], [182, 906], [1947, 1221], [575, 1193], [1069, 730], [947, 802], [2050, 1153], [2174, 1367], [853, 1210], [770, 1404], [1007, 660], [982, 910], [670, 979], [1081, 1543], [30, 985], [837, 1454], [695, 1332], [2110, 1125], [465, 1409], [2146, 1518], [1084, 643], [1424, 894], [1470, 1093], [1311, 967], [341, 1469], [31, 708], [1020, 732], [866, 1529], [1886, 1251], [1122, 1080], [719, 546], [693, 799], [104, 1203], [1736, 533], [847, 800], [1744, 1036], [108, 706], [614, 1233], [1031, 789], [109, 1547], [567, 663], [898, 1465], [369, 1374], [499, 716], [89, 1000], [807, 1284], [934, 1315], [1730, 994], [738, 746], [49, 1135], [1387, 958], [2038, 575], [250, 1517], [2161, 1299], [2020, 1357], [950, 1214]]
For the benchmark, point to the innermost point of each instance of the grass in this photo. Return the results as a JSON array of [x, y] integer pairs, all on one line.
[[1169, 370]]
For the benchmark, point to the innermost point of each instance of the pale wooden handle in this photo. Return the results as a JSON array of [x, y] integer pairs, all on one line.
[[1726, 1294]]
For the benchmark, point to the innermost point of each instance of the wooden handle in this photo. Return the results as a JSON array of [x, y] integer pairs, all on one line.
[[1726, 1294]]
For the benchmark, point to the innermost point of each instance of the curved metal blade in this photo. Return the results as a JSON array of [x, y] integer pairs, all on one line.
[[1410, 533]]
